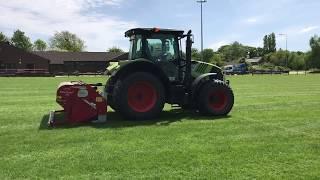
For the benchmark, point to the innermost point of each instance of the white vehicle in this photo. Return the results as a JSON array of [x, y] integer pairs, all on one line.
[[229, 69]]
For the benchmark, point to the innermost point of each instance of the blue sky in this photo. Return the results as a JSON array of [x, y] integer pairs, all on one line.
[[101, 23]]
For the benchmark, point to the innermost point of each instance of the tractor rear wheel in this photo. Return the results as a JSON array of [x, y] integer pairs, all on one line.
[[139, 96], [215, 98]]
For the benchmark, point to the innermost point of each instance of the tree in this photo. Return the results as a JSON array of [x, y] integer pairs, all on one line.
[[296, 61], [255, 52], [233, 52], [20, 40], [238, 50], [3, 38], [269, 43], [314, 42], [67, 41], [266, 44], [226, 51], [272, 43], [314, 56], [115, 49], [277, 58], [39, 45], [217, 59], [195, 54], [259, 52], [207, 55]]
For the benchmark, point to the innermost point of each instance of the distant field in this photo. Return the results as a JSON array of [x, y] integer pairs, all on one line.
[[273, 132]]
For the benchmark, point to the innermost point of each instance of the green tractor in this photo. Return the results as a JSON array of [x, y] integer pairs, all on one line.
[[157, 73]]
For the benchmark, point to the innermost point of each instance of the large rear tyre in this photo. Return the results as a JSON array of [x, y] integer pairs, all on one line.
[[215, 98], [139, 96]]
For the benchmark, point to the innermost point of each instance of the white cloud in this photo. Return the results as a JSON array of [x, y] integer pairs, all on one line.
[[43, 18], [257, 43], [252, 20], [183, 15], [215, 46], [309, 29], [97, 3], [294, 31]]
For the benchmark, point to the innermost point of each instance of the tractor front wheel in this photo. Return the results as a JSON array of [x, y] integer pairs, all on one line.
[[215, 98], [139, 96]]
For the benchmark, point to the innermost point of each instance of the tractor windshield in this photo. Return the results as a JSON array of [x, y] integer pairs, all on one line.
[[157, 47]]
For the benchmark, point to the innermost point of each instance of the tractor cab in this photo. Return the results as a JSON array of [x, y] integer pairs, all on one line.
[[154, 44], [160, 46]]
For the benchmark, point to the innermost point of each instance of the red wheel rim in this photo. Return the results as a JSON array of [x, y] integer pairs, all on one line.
[[142, 96], [218, 100]]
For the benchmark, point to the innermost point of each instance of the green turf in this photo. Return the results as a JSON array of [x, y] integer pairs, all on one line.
[[273, 132]]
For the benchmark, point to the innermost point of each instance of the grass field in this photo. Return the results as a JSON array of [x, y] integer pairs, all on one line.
[[273, 132]]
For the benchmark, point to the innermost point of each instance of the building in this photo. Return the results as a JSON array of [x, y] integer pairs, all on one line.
[[253, 61], [17, 61], [79, 62]]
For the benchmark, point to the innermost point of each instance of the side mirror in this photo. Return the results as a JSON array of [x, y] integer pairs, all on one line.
[[191, 36]]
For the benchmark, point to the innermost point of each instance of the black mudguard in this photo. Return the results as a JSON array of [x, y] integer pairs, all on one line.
[[200, 81]]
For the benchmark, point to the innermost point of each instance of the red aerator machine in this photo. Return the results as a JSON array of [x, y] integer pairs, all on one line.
[[81, 103]]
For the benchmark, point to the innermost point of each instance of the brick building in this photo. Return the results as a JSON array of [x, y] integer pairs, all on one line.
[[17, 61], [14, 60]]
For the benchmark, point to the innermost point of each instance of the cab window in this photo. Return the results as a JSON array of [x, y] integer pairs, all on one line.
[[162, 47], [157, 47], [136, 50]]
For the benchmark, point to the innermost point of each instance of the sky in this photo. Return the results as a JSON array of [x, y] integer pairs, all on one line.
[[102, 23]]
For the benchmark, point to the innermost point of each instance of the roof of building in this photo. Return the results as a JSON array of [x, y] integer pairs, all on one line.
[[231, 63], [254, 60], [7, 50], [152, 30], [123, 56], [57, 57]]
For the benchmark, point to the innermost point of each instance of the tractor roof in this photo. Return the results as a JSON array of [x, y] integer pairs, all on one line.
[[153, 30]]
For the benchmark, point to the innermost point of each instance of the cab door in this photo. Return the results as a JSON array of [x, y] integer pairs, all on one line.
[[163, 50]]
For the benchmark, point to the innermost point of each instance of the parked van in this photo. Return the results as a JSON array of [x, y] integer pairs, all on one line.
[[236, 69]]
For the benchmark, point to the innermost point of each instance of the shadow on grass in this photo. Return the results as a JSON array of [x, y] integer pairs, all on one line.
[[114, 120]]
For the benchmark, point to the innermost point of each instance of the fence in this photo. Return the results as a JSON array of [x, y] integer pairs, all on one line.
[[269, 72], [24, 72]]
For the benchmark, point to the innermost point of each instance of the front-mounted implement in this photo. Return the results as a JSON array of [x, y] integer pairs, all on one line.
[[81, 103]]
